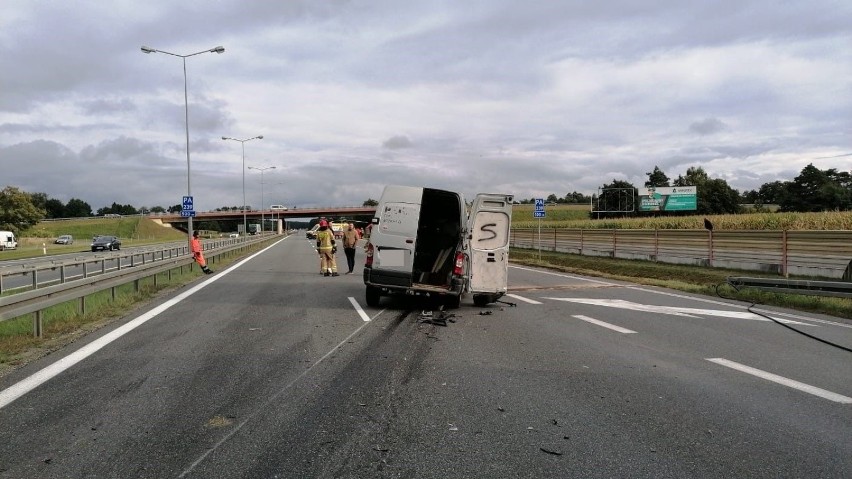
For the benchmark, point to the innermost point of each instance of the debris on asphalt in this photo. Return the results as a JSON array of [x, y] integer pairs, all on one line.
[[555, 453]]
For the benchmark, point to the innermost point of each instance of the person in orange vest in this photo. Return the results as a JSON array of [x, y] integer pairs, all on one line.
[[195, 247], [326, 248]]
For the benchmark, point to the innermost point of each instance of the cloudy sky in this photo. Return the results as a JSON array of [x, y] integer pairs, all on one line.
[[529, 98]]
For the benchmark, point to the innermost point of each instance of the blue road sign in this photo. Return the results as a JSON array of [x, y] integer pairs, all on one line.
[[187, 204], [539, 204], [187, 213], [538, 214]]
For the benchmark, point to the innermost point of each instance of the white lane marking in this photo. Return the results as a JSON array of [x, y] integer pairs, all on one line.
[[563, 275], [774, 314], [674, 310], [521, 298], [783, 381], [603, 324], [767, 312], [359, 309], [28, 384]]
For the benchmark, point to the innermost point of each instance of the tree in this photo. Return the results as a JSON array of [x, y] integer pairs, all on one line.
[[158, 209], [175, 208], [616, 199], [77, 208], [714, 195], [551, 198], [657, 178], [817, 190], [17, 211], [54, 208], [370, 202]]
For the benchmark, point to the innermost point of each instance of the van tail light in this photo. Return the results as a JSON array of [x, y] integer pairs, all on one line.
[[458, 269], [369, 260]]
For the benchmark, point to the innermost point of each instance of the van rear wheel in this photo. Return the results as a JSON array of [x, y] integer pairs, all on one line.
[[374, 295]]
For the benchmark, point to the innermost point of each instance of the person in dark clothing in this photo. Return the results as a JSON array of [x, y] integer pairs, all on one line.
[[350, 240]]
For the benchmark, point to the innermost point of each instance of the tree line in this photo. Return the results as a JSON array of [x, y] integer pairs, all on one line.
[[812, 190]]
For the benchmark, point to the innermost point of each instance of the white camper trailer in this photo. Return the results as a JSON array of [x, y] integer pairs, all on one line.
[[7, 240], [424, 243]]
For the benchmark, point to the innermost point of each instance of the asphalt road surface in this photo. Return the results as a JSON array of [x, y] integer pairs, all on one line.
[[270, 370]]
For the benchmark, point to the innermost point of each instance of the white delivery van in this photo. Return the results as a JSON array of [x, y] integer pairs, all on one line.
[[421, 244], [7, 240]]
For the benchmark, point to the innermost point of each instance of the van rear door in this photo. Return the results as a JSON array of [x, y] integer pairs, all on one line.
[[394, 231], [488, 240]]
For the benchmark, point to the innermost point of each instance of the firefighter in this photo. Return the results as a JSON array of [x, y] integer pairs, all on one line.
[[326, 247], [195, 247]]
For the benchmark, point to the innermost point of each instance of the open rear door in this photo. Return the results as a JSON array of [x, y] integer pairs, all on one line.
[[488, 240]]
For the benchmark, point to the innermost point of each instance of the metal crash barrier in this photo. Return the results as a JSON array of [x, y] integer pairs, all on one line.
[[841, 289]]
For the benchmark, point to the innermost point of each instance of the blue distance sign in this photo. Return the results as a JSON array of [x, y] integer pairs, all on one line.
[[187, 203], [187, 214], [538, 214]]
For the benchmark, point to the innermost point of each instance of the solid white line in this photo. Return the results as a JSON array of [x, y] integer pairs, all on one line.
[[563, 275], [359, 309], [603, 324], [783, 381], [521, 298], [28, 384]]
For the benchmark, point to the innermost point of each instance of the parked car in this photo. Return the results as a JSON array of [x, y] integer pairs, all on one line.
[[234, 235], [64, 239], [106, 243]]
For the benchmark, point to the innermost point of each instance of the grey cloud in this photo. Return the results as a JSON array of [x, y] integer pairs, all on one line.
[[397, 142], [707, 126]]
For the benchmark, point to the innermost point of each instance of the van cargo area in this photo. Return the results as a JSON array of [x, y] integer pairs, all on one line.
[[438, 238]]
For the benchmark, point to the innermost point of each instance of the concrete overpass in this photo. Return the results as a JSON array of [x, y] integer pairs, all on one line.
[[237, 215]]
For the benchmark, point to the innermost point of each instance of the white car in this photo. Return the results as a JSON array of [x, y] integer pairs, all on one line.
[[64, 239]]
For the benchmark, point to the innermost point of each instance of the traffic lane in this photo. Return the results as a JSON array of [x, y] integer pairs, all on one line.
[[154, 400], [611, 408], [700, 326], [511, 394]]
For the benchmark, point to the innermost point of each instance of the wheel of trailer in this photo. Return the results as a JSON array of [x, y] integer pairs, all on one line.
[[374, 295], [481, 300]]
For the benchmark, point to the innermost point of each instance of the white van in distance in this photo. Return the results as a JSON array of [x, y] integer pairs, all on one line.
[[7, 240], [278, 207], [423, 242]]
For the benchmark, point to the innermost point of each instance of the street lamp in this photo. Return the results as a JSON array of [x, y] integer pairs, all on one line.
[[262, 204], [186, 110], [243, 143]]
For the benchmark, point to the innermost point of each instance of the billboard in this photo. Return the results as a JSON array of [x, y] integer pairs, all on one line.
[[677, 198]]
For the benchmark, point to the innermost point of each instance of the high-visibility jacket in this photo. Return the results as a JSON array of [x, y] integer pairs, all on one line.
[[325, 239]]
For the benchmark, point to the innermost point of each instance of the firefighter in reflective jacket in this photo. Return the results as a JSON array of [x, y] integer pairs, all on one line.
[[195, 247], [326, 249]]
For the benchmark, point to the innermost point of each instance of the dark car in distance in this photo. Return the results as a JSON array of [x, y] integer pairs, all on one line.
[[106, 243]]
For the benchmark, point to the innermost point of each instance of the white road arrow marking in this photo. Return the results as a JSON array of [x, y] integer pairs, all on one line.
[[674, 310]]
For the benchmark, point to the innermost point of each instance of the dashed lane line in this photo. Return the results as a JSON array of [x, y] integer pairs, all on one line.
[[521, 298], [831, 396], [603, 324]]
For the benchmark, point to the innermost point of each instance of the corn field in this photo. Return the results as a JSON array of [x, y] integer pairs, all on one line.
[[827, 221]]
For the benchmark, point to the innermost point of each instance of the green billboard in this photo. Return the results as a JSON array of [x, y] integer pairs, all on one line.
[[677, 198]]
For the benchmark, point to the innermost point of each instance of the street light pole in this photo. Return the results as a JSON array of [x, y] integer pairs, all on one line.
[[262, 204], [219, 49], [243, 143]]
